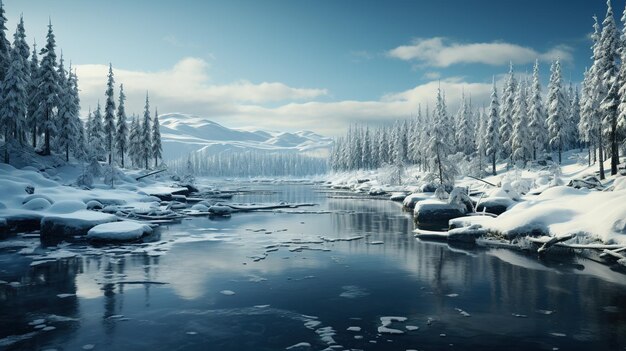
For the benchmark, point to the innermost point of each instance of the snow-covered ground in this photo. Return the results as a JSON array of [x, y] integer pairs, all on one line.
[[537, 200]]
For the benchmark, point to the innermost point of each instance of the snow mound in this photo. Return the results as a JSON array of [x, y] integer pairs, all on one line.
[[118, 231], [63, 225], [37, 204], [67, 206], [561, 211]]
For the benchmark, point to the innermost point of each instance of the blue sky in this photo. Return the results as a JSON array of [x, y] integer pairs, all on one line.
[[307, 64]]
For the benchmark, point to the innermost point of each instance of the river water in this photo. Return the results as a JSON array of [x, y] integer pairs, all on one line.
[[266, 281]]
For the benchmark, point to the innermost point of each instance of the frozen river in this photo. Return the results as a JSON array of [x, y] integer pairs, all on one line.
[[280, 279]]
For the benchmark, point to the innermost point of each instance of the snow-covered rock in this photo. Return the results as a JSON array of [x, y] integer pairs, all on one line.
[[67, 206], [118, 231], [495, 205], [94, 205], [64, 225], [561, 210], [436, 213], [220, 210], [37, 204], [410, 201], [200, 208]]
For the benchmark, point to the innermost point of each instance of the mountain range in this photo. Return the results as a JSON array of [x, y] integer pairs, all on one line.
[[182, 134]]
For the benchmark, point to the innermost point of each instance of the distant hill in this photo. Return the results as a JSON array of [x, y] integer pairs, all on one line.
[[183, 133]]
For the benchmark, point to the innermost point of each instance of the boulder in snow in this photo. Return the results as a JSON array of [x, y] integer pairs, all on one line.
[[94, 205], [199, 207], [118, 231], [37, 204], [495, 205], [436, 213], [67, 206], [220, 210], [397, 196], [67, 225], [589, 182], [410, 201]]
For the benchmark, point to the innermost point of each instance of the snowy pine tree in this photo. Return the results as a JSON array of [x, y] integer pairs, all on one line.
[[5, 46], [64, 125], [521, 144], [607, 74], [95, 135], [145, 131], [121, 135], [506, 112], [464, 132], [557, 112], [33, 118], [13, 107], [48, 89], [493, 127], [536, 115], [157, 148], [109, 115]]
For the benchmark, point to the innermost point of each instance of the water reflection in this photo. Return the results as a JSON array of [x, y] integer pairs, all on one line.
[[172, 296]]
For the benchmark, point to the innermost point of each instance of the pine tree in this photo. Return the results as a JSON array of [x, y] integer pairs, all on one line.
[[5, 46], [493, 126], [109, 115], [33, 118], [536, 115], [95, 135], [64, 125], [21, 50], [121, 137], [506, 112], [134, 142], [48, 89], [13, 106], [521, 145], [464, 132], [157, 148], [146, 142], [79, 141], [556, 110], [607, 74], [574, 119]]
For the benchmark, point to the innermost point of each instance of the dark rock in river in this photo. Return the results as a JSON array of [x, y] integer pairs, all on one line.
[[67, 225], [436, 213], [495, 205]]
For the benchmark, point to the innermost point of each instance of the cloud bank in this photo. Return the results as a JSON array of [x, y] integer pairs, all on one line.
[[441, 52]]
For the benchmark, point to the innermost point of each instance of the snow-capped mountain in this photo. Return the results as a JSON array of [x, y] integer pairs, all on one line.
[[183, 133]]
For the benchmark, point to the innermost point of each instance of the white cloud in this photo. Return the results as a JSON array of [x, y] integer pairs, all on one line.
[[186, 84], [440, 52], [275, 106]]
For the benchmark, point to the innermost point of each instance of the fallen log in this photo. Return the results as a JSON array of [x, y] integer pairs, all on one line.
[[267, 207], [554, 240], [151, 173]]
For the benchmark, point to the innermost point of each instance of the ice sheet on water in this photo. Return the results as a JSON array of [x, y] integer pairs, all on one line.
[[353, 292]]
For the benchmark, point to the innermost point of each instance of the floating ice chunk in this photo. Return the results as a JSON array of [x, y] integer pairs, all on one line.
[[376, 242], [462, 313], [412, 327], [191, 333], [519, 315], [227, 292], [88, 347], [48, 328], [299, 346], [452, 295], [118, 231], [353, 292], [386, 322], [546, 312], [62, 296], [354, 329], [558, 334]]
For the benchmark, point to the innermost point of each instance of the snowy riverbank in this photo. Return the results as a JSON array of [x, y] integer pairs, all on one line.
[[524, 202]]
